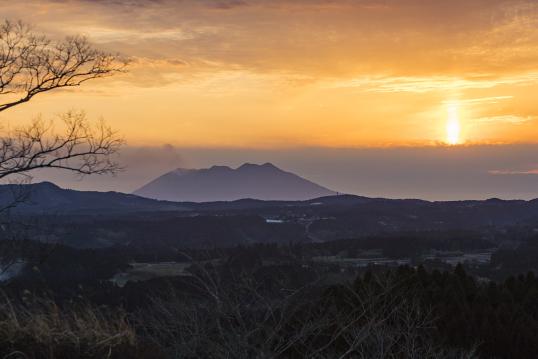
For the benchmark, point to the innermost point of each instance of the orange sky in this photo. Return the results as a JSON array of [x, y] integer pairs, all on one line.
[[279, 74]]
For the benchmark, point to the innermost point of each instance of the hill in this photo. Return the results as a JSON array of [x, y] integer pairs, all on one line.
[[48, 198]]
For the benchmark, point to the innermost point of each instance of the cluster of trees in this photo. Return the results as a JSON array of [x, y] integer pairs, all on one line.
[[270, 315], [242, 307], [517, 260], [406, 244], [498, 319], [403, 313]]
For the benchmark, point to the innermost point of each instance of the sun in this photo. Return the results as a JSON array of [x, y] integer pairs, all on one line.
[[453, 127]]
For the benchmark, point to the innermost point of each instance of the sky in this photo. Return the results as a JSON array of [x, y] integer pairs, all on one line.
[[390, 98]]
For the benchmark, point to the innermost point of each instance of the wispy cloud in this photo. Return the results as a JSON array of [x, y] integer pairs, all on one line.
[[514, 172], [482, 100], [511, 119], [423, 84]]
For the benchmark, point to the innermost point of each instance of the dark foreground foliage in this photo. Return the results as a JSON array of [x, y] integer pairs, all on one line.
[[499, 319], [403, 313]]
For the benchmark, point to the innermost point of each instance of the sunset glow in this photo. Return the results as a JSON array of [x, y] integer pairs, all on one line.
[[453, 124], [256, 74]]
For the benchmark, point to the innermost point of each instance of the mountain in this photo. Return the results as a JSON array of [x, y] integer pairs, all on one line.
[[222, 183], [48, 198]]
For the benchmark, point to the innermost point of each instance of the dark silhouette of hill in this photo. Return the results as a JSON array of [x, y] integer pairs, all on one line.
[[222, 183], [46, 197]]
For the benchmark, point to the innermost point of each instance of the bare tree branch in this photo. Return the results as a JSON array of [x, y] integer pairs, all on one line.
[[31, 64], [82, 147]]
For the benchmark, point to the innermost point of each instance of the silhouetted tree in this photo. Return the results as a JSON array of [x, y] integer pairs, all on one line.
[[31, 64]]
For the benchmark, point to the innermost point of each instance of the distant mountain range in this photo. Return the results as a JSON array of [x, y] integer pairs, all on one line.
[[222, 183]]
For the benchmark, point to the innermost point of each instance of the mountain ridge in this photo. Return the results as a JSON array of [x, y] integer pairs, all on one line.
[[223, 183]]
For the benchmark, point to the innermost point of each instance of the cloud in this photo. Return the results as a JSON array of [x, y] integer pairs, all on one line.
[[514, 172], [423, 84], [511, 119], [483, 100], [228, 4], [339, 38]]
